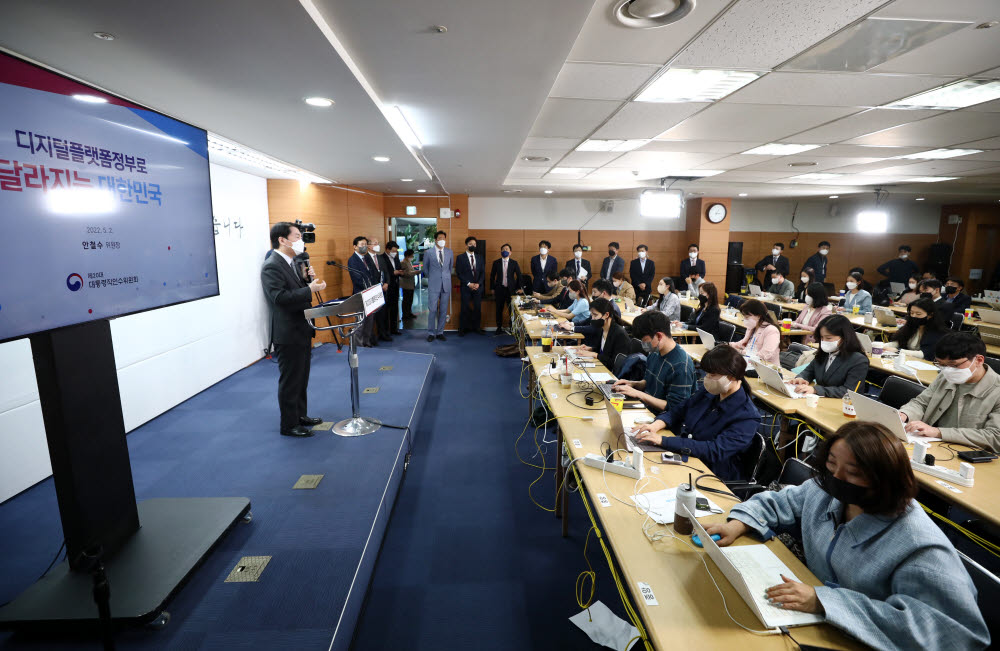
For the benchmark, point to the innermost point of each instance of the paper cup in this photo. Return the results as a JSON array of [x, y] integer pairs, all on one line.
[[566, 379], [812, 400], [617, 401]]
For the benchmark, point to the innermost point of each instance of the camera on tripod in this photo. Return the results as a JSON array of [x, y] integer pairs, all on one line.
[[308, 231]]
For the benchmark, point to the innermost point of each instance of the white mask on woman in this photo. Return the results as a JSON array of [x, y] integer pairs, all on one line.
[[573, 295], [750, 322], [829, 346], [809, 301], [804, 279], [661, 288], [913, 285], [852, 285], [717, 386]]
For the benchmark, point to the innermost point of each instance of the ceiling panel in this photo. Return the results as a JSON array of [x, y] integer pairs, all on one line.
[[986, 143], [936, 167], [589, 158], [971, 10], [938, 131], [600, 80], [987, 155], [706, 146], [752, 122], [760, 34], [571, 118], [862, 151], [831, 89], [859, 124], [554, 144], [959, 53], [993, 74], [601, 39], [986, 107], [646, 119], [613, 173], [864, 168], [527, 172], [736, 161], [647, 159], [783, 163], [552, 154], [740, 176]]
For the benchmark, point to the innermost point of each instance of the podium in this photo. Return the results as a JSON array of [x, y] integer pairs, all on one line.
[[357, 308]]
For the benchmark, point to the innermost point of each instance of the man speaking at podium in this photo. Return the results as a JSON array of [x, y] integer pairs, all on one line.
[[288, 295]]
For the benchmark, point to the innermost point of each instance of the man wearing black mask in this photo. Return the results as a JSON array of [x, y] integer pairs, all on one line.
[[954, 295], [471, 270], [612, 263], [932, 289]]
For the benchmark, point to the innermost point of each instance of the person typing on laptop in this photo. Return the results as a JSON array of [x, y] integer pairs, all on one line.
[[817, 309], [923, 329], [670, 376], [841, 364], [717, 423], [962, 405], [613, 340], [763, 337], [706, 317], [891, 577]]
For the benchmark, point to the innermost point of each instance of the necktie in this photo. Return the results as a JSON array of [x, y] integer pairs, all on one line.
[[577, 267], [611, 264], [472, 259], [295, 272], [505, 272], [371, 267], [441, 258]]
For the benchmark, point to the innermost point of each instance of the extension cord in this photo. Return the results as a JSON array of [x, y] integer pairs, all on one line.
[[617, 467], [944, 473]]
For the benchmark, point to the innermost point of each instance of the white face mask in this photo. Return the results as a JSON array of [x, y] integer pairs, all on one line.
[[852, 285], [750, 322], [661, 289], [376, 248], [775, 251], [777, 280], [913, 285], [298, 246], [578, 254], [440, 243], [804, 279], [809, 300], [717, 386], [693, 256], [617, 283], [642, 255], [573, 295], [392, 254], [824, 251], [829, 346], [956, 375], [543, 250], [903, 256]]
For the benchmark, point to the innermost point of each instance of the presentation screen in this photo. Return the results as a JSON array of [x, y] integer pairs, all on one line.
[[105, 205]]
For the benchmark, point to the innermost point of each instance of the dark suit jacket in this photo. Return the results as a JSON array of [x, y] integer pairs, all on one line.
[[818, 264], [960, 301], [618, 266], [287, 295], [637, 275], [843, 375], [707, 320], [463, 269], [539, 284], [513, 275], [361, 277], [781, 265], [687, 268], [946, 308], [571, 265], [386, 263], [618, 342]]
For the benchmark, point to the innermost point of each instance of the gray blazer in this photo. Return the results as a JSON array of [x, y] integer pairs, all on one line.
[[843, 375], [979, 412], [438, 278]]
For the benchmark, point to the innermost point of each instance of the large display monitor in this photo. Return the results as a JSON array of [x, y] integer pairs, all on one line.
[[105, 206]]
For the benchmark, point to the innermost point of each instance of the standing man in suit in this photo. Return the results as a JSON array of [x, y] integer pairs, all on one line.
[[408, 284], [393, 271], [287, 295], [382, 316], [364, 273], [505, 280], [642, 271], [438, 264], [774, 263], [541, 265], [612, 263], [818, 261], [693, 269], [578, 264], [470, 267]]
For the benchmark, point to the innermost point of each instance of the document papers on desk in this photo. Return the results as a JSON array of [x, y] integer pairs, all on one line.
[[660, 505], [596, 377], [604, 627]]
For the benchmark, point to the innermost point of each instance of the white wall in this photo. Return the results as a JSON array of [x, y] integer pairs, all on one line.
[[163, 356], [758, 215]]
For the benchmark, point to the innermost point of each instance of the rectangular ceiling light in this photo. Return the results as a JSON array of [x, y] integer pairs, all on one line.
[[698, 173], [817, 176], [571, 170], [687, 85], [660, 203], [960, 94], [870, 43], [936, 154], [610, 145], [929, 179], [779, 149], [873, 221]]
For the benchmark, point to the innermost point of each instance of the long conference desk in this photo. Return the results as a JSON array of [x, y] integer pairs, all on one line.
[[688, 608]]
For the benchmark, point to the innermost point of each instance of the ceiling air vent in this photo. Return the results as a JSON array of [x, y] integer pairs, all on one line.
[[647, 14]]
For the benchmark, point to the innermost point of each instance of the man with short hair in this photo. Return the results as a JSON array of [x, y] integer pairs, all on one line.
[[670, 376], [470, 267], [612, 263], [364, 273], [393, 269], [818, 261], [579, 265], [953, 294], [781, 286], [962, 404], [641, 272], [900, 268], [932, 289], [437, 267], [505, 280], [606, 289], [382, 316], [288, 295], [774, 263], [553, 287], [693, 268], [541, 265], [559, 296]]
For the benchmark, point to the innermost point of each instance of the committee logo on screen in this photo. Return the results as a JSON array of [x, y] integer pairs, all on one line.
[[74, 282]]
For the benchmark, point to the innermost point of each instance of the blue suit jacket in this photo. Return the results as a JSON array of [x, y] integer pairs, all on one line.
[[361, 277], [465, 275], [538, 283], [619, 265], [438, 277]]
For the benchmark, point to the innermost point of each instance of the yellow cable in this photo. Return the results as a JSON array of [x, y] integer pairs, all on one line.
[[976, 538], [544, 468], [589, 573]]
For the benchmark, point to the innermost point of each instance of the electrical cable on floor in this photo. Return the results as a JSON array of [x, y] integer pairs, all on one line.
[[991, 547]]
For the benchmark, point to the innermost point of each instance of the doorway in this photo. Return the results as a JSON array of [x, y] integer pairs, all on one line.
[[416, 234]]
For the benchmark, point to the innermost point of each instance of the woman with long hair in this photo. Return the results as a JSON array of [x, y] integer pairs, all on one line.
[[763, 336], [924, 327], [817, 309], [668, 302], [706, 316], [841, 364]]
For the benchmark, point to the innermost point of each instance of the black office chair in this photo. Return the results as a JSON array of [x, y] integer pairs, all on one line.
[[993, 363], [776, 309], [795, 472], [798, 347], [760, 465], [956, 320], [734, 301], [726, 332], [988, 586], [686, 312], [896, 391]]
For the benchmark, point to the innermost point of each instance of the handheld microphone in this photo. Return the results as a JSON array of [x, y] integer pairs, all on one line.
[[302, 261]]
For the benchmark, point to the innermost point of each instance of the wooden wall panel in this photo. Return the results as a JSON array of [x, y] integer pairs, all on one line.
[[976, 243], [395, 206]]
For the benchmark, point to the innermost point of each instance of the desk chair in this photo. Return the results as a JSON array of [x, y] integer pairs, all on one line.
[[726, 332], [993, 363], [776, 309], [734, 301], [956, 320], [896, 391], [795, 472], [760, 464], [988, 586], [686, 313]]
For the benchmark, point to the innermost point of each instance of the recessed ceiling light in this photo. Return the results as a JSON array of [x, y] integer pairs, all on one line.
[[743, 194], [549, 191], [380, 159], [686, 85], [834, 196], [104, 36], [953, 96], [697, 194], [536, 159], [817, 176], [935, 154], [610, 145], [919, 199], [802, 164], [929, 179], [571, 170], [421, 190], [511, 191], [405, 180], [779, 149], [319, 101], [91, 99]]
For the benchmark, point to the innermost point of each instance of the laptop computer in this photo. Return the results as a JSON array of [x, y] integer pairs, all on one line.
[[773, 379], [707, 340], [866, 342], [877, 412], [619, 433], [992, 294], [897, 288], [755, 290], [990, 316], [752, 569], [884, 316], [603, 387]]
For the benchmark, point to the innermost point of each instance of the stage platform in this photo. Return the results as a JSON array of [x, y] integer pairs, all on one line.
[[224, 442]]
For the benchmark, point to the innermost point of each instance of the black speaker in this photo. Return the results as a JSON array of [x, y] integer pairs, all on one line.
[[938, 259], [735, 253], [734, 276]]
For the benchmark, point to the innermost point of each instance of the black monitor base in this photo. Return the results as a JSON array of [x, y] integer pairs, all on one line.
[[176, 534]]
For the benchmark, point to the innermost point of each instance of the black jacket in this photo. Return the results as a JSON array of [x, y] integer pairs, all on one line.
[[386, 263], [619, 265], [571, 265], [513, 275], [361, 276], [618, 342], [287, 296], [637, 275], [898, 270], [843, 375], [781, 265], [959, 302], [707, 320], [538, 274], [818, 264], [463, 269], [687, 268]]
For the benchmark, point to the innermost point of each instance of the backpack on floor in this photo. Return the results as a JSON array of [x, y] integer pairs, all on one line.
[[509, 350]]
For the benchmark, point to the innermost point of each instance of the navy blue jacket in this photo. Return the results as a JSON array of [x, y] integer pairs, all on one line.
[[361, 276], [637, 275], [687, 268], [818, 263], [538, 282], [619, 265], [463, 269], [719, 431]]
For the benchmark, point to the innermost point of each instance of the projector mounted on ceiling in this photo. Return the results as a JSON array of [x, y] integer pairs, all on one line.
[[649, 14]]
